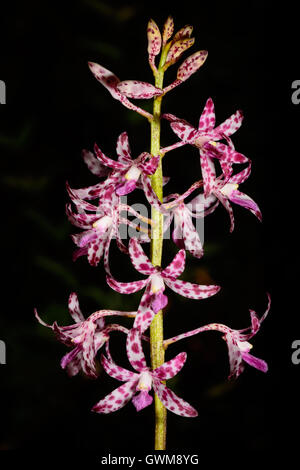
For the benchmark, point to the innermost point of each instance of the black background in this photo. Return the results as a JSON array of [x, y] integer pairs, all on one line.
[[54, 109]]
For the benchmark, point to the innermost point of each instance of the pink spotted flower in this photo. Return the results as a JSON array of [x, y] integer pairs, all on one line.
[[237, 342], [100, 225], [128, 173], [153, 298], [138, 384], [85, 336], [185, 234], [206, 138], [123, 179], [225, 190]]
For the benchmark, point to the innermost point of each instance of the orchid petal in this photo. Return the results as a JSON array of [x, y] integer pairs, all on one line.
[[144, 314], [149, 164], [242, 175], [176, 267], [116, 165], [184, 131], [231, 125], [208, 172], [95, 251], [235, 357], [138, 258], [170, 368], [207, 118], [134, 350], [126, 287], [88, 350], [191, 237], [154, 38], [245, 201], [117, 372], [116, 399], [228, 207], [93, 164], [123, 149], [74, 309], [191, 65], [138, 90], [81, 220], [105, 77], [172, 402], [192, 291]]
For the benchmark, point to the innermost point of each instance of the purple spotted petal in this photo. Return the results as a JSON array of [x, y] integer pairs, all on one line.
[[149, 164], [154, 39], [74, 308], [242, 175], [134, 350], [192, 291], [207, 118], [144, 314], [123, 149], [177, 235], [117, 372], [208, 172], [170, 368], [138, 258], [115, 165], [191, 65], [138, 90], [116, 399], [126, 188], [88, 349], [82, 219], [172, 402], [184, 131], [224, 152], [231, 125], [235, 356], [96, 250], [176, 267], [126, 287], [245, 201], [191, 239], [93, 164]]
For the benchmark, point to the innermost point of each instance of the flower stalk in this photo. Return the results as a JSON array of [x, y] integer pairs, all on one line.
[[156, 328]]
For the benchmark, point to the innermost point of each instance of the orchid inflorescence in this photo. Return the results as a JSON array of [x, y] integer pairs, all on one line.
[[100, 212]]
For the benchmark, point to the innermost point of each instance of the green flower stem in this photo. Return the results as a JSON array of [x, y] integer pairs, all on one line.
[[156, 328]]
